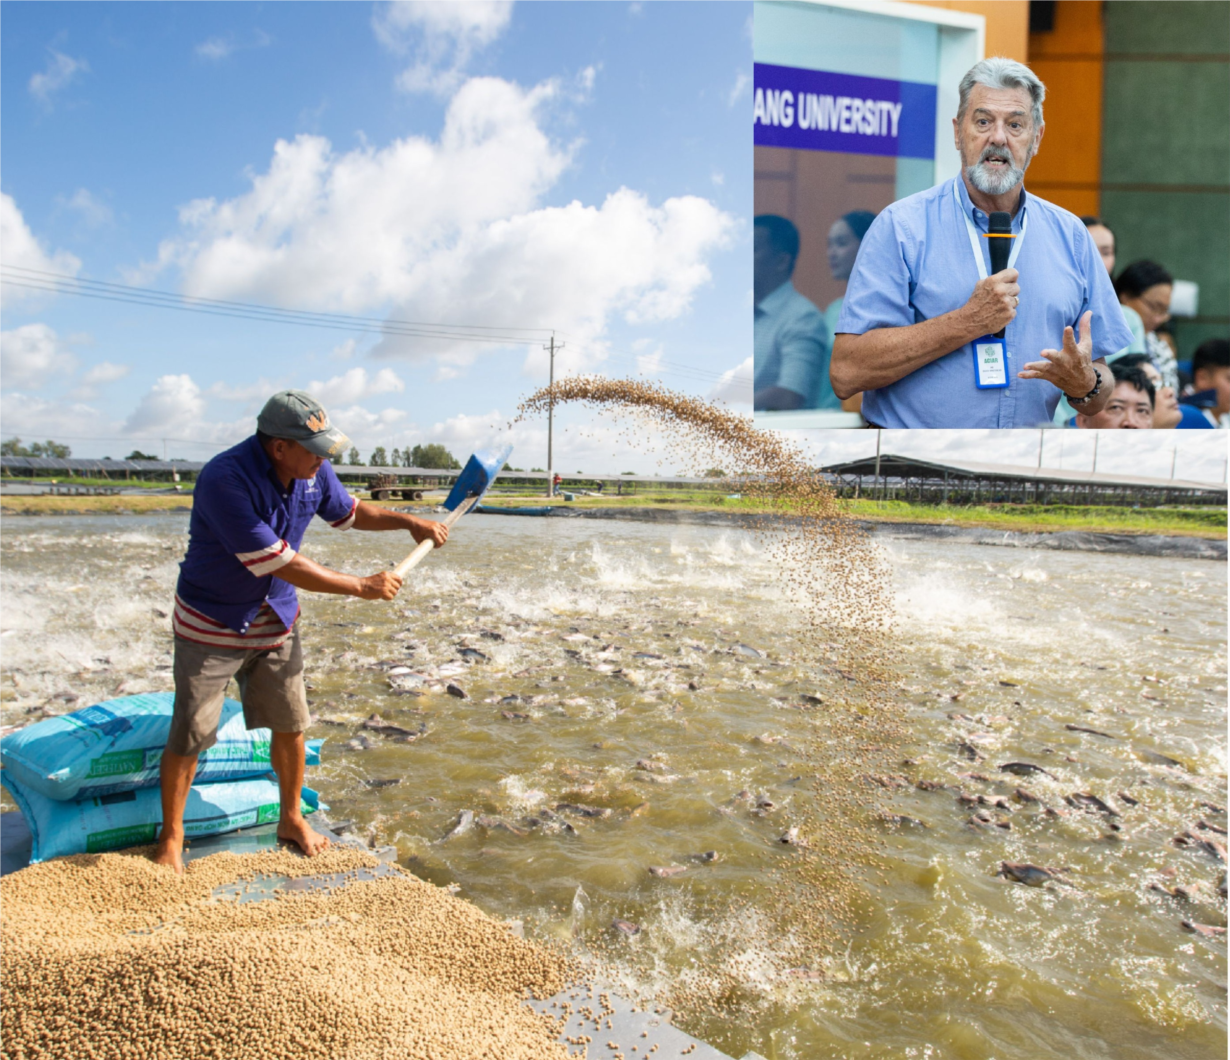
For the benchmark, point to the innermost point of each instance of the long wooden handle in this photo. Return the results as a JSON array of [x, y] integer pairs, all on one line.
[[423, 547]]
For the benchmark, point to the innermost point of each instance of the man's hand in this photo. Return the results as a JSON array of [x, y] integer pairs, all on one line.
[[1071, 369], [424, 530], [381, 586], [993, 303]]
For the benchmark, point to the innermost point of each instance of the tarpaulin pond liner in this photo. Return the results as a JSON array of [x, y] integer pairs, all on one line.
[[131, 818], [117, 745]]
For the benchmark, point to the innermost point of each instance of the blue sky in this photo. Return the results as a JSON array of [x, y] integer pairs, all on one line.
[[583, 167], [568, 166]]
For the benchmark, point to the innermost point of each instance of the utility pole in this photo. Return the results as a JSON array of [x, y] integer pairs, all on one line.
[[1095, 452], [878, 432], [1174, 456], [551, 418], [1041, 436]]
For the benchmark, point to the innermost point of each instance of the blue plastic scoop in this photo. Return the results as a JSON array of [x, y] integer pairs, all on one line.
[[475, 479]]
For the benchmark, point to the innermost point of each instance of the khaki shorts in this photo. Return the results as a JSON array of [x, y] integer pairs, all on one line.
[[270, 688]]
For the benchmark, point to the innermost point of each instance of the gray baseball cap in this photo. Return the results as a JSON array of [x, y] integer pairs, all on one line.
[[298, 416]]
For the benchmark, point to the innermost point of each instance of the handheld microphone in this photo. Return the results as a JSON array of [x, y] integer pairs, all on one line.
[[999, 230]]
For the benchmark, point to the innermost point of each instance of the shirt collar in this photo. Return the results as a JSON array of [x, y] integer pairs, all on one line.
[[776, 297], [261, 459], [981, 220]]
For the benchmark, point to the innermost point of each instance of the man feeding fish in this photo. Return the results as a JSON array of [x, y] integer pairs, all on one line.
[[236, 608]]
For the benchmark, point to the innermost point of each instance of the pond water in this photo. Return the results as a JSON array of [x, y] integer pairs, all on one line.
[[635, 699]]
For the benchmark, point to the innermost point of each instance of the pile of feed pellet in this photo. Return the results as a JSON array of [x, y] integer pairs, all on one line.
[[842, 584], [110, 956]]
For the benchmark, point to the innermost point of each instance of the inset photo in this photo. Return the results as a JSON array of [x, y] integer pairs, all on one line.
[[986, 218]]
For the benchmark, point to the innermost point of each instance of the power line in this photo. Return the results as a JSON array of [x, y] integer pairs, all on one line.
[[61, 283]]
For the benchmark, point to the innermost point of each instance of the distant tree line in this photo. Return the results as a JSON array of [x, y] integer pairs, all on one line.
[[13, 447], [433, 456]]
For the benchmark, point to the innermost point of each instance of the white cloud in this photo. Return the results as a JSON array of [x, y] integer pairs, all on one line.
[[351, 231], [23, 250], [105, 372], [354, 386], [572, 267], [94, 212], [735, 386], [260, 391], [100, 375], [60, 71], [215, 49], [649, 363], [173, 404], [718, 177], [343, 351], [451, 231], [739, 89], [443, 36], [29, 417], [32, 355]]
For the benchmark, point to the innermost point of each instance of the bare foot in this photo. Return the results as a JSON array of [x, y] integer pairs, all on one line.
[[168, 853], [297, 831]]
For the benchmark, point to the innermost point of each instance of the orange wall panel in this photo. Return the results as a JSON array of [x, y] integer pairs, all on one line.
[[1078, 31], [1068, 59], [1007, 23]]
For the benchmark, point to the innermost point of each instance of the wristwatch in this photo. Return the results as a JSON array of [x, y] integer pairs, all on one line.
[[1097, 389]]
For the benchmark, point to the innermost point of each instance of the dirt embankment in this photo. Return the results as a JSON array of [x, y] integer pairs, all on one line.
[[1058, 540]]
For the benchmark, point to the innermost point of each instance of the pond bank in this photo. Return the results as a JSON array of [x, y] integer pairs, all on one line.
[[1058, 540], [1189, 546]]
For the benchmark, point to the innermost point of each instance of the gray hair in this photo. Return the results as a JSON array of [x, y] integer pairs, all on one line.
[[998, 72]]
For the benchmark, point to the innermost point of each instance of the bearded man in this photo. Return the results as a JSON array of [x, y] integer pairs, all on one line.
[[917, 330]]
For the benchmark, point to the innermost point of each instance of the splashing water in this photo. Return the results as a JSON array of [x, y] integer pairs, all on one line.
[[825, 563]]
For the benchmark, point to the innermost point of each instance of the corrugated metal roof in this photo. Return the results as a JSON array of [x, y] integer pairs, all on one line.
[[13, 464], [898, 466]]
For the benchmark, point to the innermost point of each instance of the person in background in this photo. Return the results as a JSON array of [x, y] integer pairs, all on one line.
[[845, 237], [1130, 406], [1104, 239], [1144, 288], [1168, 414], [791, 351], [1211, 375]]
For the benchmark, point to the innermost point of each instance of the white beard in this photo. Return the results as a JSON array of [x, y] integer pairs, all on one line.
[[995, 182]]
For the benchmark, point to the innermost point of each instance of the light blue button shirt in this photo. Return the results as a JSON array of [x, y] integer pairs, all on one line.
[[792, 347], [915, 263]]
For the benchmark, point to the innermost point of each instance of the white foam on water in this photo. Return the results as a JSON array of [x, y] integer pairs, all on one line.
[[520, 795], [933, 603]]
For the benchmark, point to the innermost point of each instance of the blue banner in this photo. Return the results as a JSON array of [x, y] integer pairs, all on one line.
[[813, 110]]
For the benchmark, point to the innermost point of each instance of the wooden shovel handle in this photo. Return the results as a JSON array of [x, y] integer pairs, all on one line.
[[424, 547]]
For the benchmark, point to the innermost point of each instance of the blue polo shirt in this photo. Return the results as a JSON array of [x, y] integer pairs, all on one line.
[[915, 263], [245, 525]]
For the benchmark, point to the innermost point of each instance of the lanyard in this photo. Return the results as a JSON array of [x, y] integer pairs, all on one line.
[[973, 237]]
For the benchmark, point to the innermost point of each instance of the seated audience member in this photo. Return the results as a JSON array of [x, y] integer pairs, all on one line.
[[1130, 406], [791, 366], [1211, 377], [1167, 412], [845, 237], [1144, 288], [1104, 239]]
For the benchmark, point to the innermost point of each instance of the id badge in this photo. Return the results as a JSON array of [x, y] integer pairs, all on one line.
[[990, 363]]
